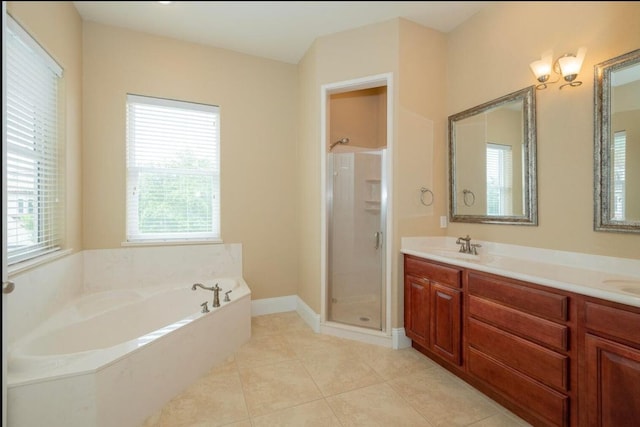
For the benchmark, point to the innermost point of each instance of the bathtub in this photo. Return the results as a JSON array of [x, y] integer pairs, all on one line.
[[114, 358]]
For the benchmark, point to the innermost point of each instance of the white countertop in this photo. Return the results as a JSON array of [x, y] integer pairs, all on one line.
[[608, 278]]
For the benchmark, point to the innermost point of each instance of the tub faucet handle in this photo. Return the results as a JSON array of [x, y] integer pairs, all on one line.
[[226, 296], [205, 309]]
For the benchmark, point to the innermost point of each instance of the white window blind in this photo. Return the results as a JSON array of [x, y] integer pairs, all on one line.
[[173, 170], [35, 208], [499, 179], [618, 158]]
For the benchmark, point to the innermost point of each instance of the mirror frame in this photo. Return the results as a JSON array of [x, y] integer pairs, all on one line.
[[530, 193], [602, 143]]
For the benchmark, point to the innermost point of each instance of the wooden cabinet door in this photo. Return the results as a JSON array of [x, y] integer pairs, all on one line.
[[613, 383], [445, 322], [416, 310]]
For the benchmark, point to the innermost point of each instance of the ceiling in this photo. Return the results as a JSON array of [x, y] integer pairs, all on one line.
[[277, 30]]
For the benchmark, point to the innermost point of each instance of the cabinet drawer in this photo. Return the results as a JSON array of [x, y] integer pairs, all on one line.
[[550, 406], [540, 303], [613, 321], [525, 325], [435, 272], [536, 361]]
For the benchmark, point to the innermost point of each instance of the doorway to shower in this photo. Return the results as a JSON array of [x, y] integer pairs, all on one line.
[[356, 207]]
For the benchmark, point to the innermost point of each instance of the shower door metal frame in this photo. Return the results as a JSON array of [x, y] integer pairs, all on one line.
[[382, 336]]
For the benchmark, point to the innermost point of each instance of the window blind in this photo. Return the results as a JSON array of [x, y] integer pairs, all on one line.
[[35, 207], [618, 159], [173, 170], [499, 179]]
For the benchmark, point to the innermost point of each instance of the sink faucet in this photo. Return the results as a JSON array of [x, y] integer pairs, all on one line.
[[466, 247], [216, 292], [465, 244]]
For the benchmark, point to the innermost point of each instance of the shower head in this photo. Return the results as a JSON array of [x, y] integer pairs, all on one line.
[[340, 141]]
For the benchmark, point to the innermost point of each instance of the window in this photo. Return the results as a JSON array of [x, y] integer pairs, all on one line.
[[499, 179], [618, 159], [173, 170], [33, 167]]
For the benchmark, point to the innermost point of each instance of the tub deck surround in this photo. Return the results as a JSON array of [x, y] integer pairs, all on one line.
[[98, 329], [125, 327], [608, 278], [106, 350], [141, 267]]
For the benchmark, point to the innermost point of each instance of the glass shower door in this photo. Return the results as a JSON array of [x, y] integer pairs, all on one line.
[[356, 240]]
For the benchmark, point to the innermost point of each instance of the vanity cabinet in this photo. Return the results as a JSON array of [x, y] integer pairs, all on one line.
[[518, 345], [433, 310], [611, 364], [555, 358]]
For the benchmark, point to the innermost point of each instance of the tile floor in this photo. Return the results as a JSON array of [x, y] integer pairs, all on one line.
[[287, 375]]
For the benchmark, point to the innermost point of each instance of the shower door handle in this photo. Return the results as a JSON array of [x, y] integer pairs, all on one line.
[[378, 236]]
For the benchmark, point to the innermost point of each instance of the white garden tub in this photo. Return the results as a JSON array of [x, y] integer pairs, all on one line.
[[114, 358]]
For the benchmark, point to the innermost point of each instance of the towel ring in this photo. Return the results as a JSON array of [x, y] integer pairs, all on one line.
[[426, 190], [465, 193]]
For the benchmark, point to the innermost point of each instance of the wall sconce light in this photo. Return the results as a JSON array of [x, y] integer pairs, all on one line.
[[568, 65]]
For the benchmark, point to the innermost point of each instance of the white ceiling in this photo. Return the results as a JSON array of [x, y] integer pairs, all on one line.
[[278, 30]]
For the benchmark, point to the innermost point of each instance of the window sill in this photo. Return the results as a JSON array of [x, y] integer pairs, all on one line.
[[23, 266], [172, 242]]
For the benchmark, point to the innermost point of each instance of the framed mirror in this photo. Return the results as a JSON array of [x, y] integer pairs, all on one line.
[[492, 162], [617, 144]]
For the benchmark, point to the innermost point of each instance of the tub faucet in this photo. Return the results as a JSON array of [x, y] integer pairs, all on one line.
[[216, 292], [216, 295]]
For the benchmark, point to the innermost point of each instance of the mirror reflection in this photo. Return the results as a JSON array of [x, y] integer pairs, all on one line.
[[617, 143], [492, 161]]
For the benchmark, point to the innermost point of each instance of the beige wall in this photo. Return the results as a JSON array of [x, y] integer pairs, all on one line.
[[362, 52], [57, 27], [420, 150], [271, 132], [489, 55], [416, 57], [257, 100], [359, 115]]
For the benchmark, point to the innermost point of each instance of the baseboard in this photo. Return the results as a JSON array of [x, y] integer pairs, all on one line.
[[397, 339], [400, 339], [310, 317], [358, 334], [273, 305]]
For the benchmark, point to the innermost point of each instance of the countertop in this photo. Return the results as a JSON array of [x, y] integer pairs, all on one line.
[[609, 278]]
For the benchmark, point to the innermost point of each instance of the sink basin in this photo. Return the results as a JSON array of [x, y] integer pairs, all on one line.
[[455, 254], [624, 285]]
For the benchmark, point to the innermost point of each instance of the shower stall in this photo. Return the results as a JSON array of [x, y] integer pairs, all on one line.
[[356, 241]]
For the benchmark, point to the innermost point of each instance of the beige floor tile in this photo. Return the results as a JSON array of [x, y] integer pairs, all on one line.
[[309, 345], [376, 405], [227, 367], [245, 423], [501, 420], [214, 400], [313, 414], [334, 375], [279, 323], [277, 386], [263, 351], [280, 376], [390, 364], [443, 399]]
